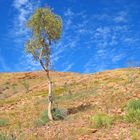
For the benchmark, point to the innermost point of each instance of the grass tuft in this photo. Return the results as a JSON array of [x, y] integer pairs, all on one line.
[[3, 122], [4, 136], [133, 111], [58, 114], [101, 120]]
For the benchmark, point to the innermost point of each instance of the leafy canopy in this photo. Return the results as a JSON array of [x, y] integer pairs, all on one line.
[[46, 28]]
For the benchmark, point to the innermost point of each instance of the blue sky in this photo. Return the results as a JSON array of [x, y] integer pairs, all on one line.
[[97, 35]]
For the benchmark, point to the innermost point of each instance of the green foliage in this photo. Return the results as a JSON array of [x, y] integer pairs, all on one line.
[[4, 136], [43, 119], [135, 133], [14, 87], [133, 104], [1, 90], [6, 85], [59, 91], [3, 122], [133, 111], [44, 20], [58, 114], [46, 28], [101, 120], [26, 86]]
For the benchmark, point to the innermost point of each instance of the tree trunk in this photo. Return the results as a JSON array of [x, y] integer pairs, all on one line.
[[50, 100], [50, 97]]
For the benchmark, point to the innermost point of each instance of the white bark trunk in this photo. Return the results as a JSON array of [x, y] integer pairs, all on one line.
[[50, 100]]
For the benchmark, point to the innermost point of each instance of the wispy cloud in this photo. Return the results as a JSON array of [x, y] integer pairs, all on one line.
[[121, 17], [27, 63], [68, 68], [3, 65], [24, 8], [20, 33], [99, 40], [108, 41]]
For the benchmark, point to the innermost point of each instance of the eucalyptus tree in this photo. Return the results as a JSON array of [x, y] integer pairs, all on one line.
[[46, 28]]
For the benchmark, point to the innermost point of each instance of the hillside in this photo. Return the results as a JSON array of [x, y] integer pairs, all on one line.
[[24, 97]]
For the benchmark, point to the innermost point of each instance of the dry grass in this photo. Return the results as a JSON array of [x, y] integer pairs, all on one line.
[[107, 92]]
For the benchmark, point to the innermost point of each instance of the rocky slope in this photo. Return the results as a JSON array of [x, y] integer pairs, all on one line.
[[24, 96]]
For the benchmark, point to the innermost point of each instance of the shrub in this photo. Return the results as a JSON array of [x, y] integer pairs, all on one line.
[[3, 122], [101, 120], [135, 133], [26, 86], [133, 111], [43, 119], [133, 104], [6, 85], [14, 88], [58, 114], [7, 137]]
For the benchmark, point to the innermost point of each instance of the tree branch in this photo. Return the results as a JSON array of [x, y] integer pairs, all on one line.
[[42, 64]]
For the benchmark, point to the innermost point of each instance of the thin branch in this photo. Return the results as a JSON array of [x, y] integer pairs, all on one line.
[[42, 64]]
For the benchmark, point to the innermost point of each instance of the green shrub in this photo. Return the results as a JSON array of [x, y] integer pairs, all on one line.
[[26, 86], [58, 114], [3, 122], [135, 133], [7, 137], [101, 120], [43, 119], [133, 104], [133, 111]]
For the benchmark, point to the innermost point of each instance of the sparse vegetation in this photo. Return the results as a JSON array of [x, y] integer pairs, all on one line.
[[133, 111], [101, 120], [26, 86], [58, 114], [4, 136], [14, 88], [3, 122], [43, 119], [109, 96], [135, 134]]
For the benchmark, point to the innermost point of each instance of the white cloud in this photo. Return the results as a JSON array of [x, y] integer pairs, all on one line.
[[69, 13], [118, 57], [68, 68], [28, 63], [20, 33], [19, 3], [24, 9], [121, 17], [3, 66], [103, 41], [109, 41]]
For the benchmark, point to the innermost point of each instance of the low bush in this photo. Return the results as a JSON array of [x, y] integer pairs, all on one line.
[[26, 86], [4, 136], [3, 122], [101, 120], [58, 114], [43, 119], [133, 111]]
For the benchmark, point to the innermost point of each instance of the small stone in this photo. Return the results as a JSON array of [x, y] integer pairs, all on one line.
[[93, 130]]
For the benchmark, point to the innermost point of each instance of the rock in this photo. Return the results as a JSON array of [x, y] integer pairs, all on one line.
[[93, 130]]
